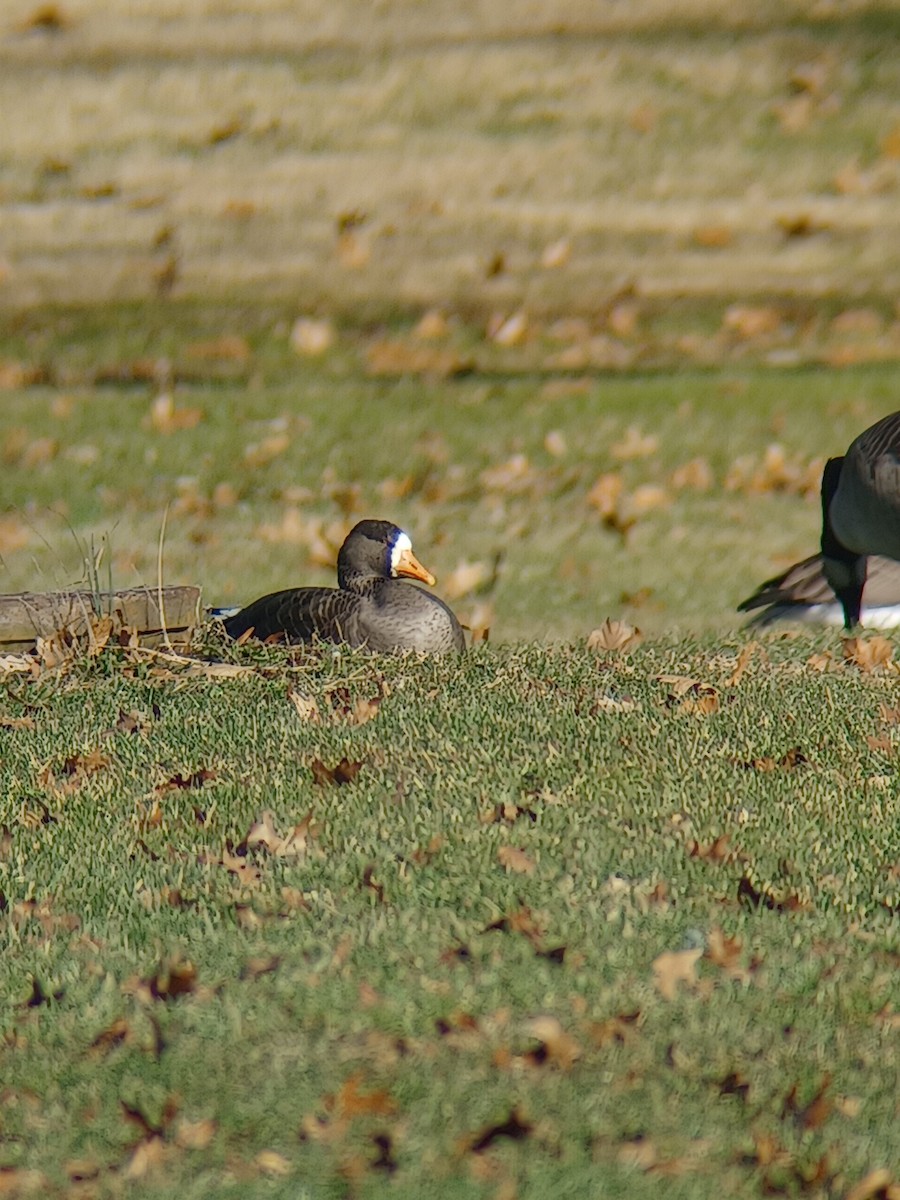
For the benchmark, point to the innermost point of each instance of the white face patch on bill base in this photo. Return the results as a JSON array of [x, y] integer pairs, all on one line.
[[401, 544], [405, 564]]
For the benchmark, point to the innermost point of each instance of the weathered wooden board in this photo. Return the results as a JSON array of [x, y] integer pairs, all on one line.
[[29, 615]]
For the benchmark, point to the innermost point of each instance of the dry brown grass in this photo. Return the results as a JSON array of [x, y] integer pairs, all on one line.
[[211, 149]]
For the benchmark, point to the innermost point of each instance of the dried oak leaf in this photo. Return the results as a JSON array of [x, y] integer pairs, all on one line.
[[173, 978], [515, 860], [17, 722], [85, 764], [514, 1128], [869, 654], [741, 664], [788, 761], [48, 17], [762, 897], [557, 1048], [179, 782], [111, 1037], [725, 952], [229, 347], [195, 1135], [718, 851], [263, 835], [371, 883], [879, 1184], [165, 418], [507, 812], [634, 444], [351, 1101], [674, 967], [619, 1028], [260, 965], [343, 772], [812, 1114], [615, 636], [389, 358]]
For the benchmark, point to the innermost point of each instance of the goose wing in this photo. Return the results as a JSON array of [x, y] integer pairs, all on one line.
[[802, 584], [299, 615]]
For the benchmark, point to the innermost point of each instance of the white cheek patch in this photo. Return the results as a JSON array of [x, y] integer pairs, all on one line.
[[401, 543]]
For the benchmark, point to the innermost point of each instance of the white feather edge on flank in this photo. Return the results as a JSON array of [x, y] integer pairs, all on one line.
[[401, 543], [884, 617]]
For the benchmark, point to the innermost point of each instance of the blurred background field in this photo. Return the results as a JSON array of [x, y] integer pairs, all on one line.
[[582, 294]]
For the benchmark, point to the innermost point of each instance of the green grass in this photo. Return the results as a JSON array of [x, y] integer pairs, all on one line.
[[386, 1006], [82, 456], [399, 984]]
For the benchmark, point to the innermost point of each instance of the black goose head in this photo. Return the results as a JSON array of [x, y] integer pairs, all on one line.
[[845, 570], [379, 550]]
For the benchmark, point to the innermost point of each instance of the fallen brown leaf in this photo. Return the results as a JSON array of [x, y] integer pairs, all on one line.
[[515, 860], [195, 1135], [228, 347], [262, 835], [634, 444], [343, 772], [270, 1162], [557, 1048], [351, 1101], [787, 761], [619, 1028], [615, 636], [111, 1037], [879, 1184], [812, 1114], [45, 16], [713, 237], [260, 454], [762, 897], [674, 967], [509, 330], [514, 1128], [165, 418], [718, 851], [725, 952], [179, 782], [174, 977], [311, 338], [387, 358], [751, 322], [740, 666], [869, 654], [7, 722], [466, 577]]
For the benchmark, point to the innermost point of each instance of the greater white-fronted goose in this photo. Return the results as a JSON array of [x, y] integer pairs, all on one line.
[[861, 511], [371, 606], [802, 593]]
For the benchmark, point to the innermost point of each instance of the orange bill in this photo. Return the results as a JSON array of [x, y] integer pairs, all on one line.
[[410, 567]]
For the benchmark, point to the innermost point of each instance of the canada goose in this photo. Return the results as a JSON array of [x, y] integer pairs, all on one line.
[[861, 511], [802, 593], [370, 607]]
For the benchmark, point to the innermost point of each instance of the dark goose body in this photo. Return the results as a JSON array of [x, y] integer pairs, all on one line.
[[861, 511], [371, 606]]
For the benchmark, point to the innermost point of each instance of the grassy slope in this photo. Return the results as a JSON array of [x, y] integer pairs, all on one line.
[[398, 982]]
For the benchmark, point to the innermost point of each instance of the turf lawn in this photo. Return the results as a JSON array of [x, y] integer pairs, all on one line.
[[581, 296]]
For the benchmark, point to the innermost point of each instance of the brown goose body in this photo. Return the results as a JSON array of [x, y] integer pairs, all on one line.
[[802, 593], [861, 511], [371, 606]]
